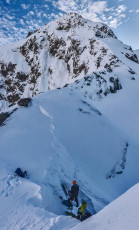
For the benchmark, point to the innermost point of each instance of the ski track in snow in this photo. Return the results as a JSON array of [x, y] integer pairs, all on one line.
[[45, 112], [55, 143], [60, 148], [60, 151]]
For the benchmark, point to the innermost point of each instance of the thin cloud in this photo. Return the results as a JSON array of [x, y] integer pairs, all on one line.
[[131, 11], [9, 16], [22, 22], [46, 6], [8, 1], [114, 23], [121, 9], [30, 13], [25, 7], [95, 11]]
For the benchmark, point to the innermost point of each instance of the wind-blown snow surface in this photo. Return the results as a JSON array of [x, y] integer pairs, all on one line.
[[61, 137], [121, 214]]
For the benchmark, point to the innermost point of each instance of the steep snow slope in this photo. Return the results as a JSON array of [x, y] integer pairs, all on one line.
[[61, 137], [121, 214], [61, 52], [123, 109], [22, 206]]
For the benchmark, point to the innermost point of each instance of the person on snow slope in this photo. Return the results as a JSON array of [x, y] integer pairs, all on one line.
[[74, 193]]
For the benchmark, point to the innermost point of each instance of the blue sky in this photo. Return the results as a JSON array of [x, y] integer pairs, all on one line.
[[17, 17]]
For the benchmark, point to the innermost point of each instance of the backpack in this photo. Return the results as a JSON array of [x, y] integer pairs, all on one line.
[[20, 173]]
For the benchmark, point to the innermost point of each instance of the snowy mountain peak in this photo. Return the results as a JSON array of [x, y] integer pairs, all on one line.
[[73, 21], [66, 50]]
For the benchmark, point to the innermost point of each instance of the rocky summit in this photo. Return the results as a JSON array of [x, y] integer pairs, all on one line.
[[68, 50]]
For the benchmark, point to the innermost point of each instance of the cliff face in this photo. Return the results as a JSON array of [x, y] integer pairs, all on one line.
[[67, 50]]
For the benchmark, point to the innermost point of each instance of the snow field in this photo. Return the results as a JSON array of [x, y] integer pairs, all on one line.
[[61, 137]]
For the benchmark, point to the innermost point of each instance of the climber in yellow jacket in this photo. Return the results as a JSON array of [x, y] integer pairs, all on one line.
[[81, 210]]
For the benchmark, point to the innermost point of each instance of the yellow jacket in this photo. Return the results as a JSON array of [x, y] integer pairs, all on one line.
[[82, 208]]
